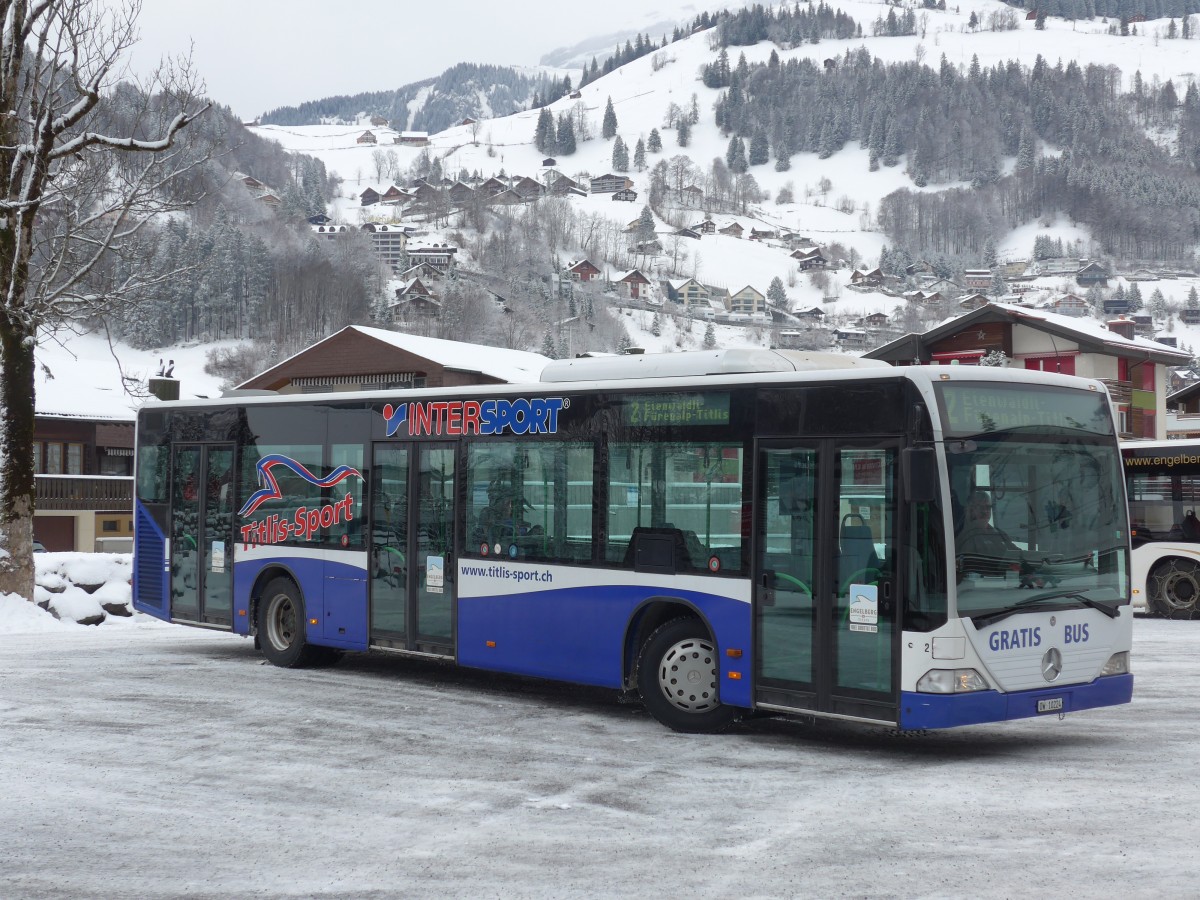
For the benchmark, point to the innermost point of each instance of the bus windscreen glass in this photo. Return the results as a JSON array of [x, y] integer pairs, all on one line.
[[1037, 499]]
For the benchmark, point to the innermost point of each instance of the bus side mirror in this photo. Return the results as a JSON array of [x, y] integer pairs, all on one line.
[[918, 470]]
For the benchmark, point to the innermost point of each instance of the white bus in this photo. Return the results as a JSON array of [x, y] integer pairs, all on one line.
[[1163, 483]]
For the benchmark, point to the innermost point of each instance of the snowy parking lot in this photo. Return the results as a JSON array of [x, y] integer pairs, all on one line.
[[145, 760]]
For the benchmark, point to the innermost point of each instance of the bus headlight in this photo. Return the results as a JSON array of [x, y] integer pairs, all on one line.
[[952, 681], [1118, 664]]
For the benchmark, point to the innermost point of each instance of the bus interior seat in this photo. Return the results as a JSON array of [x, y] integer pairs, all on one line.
[[857, 547], [657, 549]]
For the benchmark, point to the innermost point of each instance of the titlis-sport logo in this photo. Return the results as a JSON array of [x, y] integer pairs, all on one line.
[[535, 415]]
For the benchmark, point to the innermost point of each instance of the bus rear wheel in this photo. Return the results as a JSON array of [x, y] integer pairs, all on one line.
[[1175, 589], [678, 676], [281, 627]]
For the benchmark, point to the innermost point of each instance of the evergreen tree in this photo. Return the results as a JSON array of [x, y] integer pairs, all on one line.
[[760, 151], [1025, 152], [654, 143], [683, 132], [639, 156], [544, 137], [565, 139], [608, 128], [735, 156], [776, 293], [645, 225], [548, 348], [998, 287], [1158, 304], [989, 252], [620, 156], [1193, 299], [656, 326], [710, 337], [1134, 297]]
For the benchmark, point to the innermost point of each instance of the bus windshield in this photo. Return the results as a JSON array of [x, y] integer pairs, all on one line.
[[1036, 494]]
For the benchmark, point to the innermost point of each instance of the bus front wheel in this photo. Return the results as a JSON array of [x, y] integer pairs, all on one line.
[[1175, 589], [281, 627], [678, 676]]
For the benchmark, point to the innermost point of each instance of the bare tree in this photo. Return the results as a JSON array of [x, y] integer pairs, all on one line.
[[86, 164]]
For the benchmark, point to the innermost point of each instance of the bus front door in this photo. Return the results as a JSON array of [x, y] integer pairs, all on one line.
[[202, 534], [825, 606], [412, 544]]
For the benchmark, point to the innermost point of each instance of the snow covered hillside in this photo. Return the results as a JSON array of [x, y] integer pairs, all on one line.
[[831, 201]]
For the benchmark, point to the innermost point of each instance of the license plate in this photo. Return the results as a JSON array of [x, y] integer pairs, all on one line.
[[1054, 704]]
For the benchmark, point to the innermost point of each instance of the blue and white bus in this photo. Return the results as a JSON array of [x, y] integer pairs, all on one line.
[[721, 532]]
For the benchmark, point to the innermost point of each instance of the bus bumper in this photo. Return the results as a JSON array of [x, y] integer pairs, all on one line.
[[921, 711]]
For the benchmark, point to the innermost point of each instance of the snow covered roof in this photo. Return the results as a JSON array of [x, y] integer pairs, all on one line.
[[513, 366]]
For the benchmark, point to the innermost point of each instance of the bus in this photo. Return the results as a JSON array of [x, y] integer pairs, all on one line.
[[721, 533], [1163, 481]]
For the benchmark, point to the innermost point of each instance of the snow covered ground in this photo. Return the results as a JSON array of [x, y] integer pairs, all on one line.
[[147, 760]]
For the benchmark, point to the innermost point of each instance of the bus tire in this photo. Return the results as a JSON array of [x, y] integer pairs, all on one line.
[[679, 675], [1175, 589], [281, 627]]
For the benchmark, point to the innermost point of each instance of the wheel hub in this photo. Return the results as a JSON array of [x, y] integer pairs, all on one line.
[[688, 675]]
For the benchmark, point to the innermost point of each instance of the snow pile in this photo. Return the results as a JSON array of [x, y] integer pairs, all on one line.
[[83, 588]]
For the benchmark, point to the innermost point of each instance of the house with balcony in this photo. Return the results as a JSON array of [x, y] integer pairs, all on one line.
[[749, 301], [83, 481], [1135, 369], [689, 293]]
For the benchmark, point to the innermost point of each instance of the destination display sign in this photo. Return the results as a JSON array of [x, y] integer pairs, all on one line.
[[677, 409], [973, 408]]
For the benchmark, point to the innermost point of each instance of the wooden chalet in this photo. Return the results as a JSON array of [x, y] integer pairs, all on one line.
[[1135, 369], [369, 197], [687, 233], [394, 195], [632, 285], [708, 226], [460, 193], [413, 138], [1091, 274], [757, 234], [810, 258], [627, 194], [692, 196], [367, 137], [733, 229], [379, 121], [362, 358], [563, 186], [864, 278], [582, 270], [507, 197], [528, 188], [493, 186]]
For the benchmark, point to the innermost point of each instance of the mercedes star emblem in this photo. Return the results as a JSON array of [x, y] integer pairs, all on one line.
[[1051, 664]]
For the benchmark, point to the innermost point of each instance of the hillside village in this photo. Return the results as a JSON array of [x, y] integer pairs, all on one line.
[[401, 225]]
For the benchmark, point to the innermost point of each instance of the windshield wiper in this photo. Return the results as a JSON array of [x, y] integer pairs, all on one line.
[[985, 619]]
